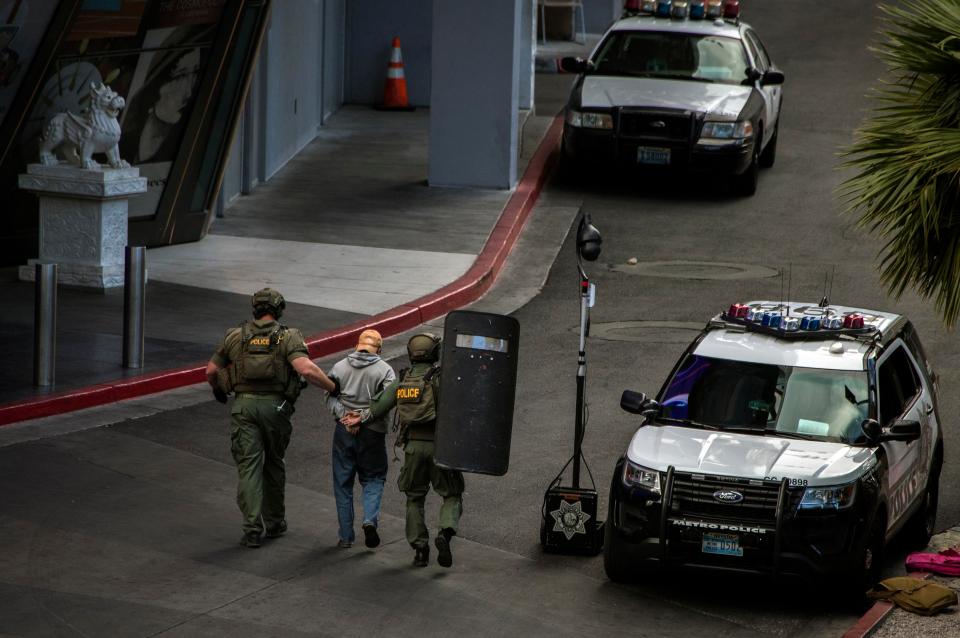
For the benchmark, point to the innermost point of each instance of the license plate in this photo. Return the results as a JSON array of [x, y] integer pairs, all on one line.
[[653, 155], [722, 544]]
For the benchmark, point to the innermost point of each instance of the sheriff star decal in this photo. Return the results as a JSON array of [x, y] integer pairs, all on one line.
[[570, 519]]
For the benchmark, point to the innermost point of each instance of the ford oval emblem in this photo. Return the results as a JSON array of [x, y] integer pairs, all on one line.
[[658, 124], [727, 496]]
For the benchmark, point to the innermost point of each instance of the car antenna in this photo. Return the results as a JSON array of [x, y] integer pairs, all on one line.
[[789, 284], [825, 301], [781, 288]]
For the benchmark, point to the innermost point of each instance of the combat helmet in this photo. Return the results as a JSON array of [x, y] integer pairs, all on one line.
[[269, 300], [424, 347]]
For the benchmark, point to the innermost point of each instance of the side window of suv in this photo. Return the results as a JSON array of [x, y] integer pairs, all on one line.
[[899, 386]]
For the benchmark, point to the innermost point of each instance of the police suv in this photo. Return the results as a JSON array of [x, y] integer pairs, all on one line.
[[790, 439], [681, 92]]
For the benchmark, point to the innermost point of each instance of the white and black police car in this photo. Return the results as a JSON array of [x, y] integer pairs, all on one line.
[[676, 89], [790, 439]]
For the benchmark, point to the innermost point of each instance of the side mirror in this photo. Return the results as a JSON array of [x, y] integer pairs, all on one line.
[[637, 402], [772, 77], [588, 239], [872, 430], [902, 431], [574, 65]]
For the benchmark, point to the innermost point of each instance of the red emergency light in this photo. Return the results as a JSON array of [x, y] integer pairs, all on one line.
[[738, 311], [853, 320], [731, 9]]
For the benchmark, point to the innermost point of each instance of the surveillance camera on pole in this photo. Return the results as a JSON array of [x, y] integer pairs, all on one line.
[[570, 524]]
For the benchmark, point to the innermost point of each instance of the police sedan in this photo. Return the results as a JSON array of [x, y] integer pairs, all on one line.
[[689, 94]]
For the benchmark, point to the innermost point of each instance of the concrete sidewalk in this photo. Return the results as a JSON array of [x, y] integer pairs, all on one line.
[[346, 230]]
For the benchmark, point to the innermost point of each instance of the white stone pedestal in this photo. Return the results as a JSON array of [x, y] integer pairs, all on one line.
[[83, 221]]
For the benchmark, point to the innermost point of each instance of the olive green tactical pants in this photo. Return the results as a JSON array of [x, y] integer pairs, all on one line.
[[260, 436], [418, 473]]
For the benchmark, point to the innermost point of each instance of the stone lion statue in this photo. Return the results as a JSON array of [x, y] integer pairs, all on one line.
[[96, 130]]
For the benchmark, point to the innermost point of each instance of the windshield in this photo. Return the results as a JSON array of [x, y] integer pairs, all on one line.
[[680, 56], [800, 402]]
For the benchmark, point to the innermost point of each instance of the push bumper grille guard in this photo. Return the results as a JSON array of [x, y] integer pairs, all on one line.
[[680, 128], [667, 505]]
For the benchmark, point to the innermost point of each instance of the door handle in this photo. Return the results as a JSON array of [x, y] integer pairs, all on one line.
[[928, 409]]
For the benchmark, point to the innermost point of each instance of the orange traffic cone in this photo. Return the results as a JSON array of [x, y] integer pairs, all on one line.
[[395, 88]]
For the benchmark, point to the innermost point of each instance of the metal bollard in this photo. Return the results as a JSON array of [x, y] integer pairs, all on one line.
[[134, 305], [45, 325]]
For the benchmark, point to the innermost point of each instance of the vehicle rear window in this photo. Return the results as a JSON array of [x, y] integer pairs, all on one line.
[[682, 56], [808, 402]]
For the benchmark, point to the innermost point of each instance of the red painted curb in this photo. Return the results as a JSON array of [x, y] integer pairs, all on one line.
[[467, 288], [871, 620]]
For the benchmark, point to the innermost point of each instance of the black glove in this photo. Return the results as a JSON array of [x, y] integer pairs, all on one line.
[[336, 386], [220, 395]]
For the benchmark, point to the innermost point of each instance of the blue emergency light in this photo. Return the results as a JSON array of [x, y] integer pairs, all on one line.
[[663, 8], [698, 9]]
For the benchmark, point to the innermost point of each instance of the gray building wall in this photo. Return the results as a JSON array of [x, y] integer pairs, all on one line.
[[475, 93], [598, 14], [298, 83], [293, 58], [334, 52], [371, 27]]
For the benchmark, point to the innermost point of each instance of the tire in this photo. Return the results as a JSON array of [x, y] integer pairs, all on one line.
[[921, 525], [868, 567], [745, 184], [616, 563], [568, 169], [769, 154]]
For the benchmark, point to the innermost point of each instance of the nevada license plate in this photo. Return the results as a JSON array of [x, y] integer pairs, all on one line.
[[722, 544], [653, 155]]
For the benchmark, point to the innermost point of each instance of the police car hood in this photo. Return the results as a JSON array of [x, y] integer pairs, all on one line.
[[605, 92], [746, 455]]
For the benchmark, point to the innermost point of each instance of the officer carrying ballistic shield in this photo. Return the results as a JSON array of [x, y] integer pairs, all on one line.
[[264, 363], [416, 394]]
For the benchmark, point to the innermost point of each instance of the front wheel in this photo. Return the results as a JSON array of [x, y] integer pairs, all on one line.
[[769, 154], [745, 184], [615, 561], [869, 565]]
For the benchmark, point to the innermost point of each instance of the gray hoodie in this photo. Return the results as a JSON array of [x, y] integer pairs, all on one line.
[[362, 377]]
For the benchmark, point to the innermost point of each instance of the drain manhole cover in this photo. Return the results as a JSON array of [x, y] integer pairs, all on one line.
[[646, 331], [696, 270]]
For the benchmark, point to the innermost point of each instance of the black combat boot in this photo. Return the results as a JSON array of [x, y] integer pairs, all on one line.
[[444, 557], [275, 531], [422, 557], [251, 539]]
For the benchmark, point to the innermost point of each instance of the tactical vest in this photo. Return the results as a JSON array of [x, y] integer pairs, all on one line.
[[261, 366], [416, 400]]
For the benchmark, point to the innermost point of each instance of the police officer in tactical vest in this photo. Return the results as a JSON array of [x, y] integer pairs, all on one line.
[[264, 363], [415, 394]]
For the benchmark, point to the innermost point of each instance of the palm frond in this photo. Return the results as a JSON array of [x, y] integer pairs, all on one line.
[[906, 155]]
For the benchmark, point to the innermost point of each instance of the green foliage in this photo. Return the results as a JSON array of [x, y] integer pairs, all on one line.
[[906, 188]]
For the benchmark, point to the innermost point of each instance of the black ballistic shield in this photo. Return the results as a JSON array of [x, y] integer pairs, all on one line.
[[477, 388]]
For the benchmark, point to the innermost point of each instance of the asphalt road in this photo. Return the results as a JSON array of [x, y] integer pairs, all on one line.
[[164, 483]]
